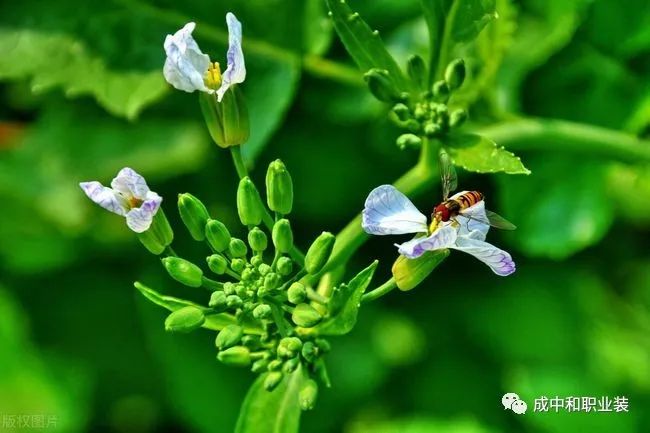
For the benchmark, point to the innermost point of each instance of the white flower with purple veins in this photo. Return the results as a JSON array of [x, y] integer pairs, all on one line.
[[188, 69], [389, 212], [129, 196]]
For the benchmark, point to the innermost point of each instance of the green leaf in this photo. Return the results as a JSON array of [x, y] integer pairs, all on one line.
[[466, 19], [362, 43], [318, 30], [562, 209], [277, 411], [409, 273], [53, 60], [452, 22], [349, 298], [482, 155], [485, 56], [215, 322]]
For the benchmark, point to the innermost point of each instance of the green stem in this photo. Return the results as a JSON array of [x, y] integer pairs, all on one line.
[[211, 284], [413, 182], [380, 291], [568, 137], [314, 65], [278, 318], [238, 160], [170, 251]]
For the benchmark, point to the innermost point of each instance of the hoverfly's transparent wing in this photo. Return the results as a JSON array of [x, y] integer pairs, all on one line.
[[448, 176], [499, 222], [477, 214]]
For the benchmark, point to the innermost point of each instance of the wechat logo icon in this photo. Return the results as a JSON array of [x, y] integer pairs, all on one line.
[[511, 401]]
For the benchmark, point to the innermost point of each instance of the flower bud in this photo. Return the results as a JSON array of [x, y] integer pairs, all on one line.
[[257, 261], [455, 74], [257, 240], [409, 273], [218, 301], [249, 203], [228, 288], [227, 121], [417, 70], [217, 263], [233, 301], [159, 235], [272, 380], [260, 366], [183, 271], [401, 111], [405, 141], [306, 316], [308, 394], [217, 235], [432, 129], [309, 351], [271, 281], [323, 345], [319, 252], [296, 293], [262, 311], [293, 344], [285, 266], [457, 118], [441, 91], [282, 236], [381, 85], [322, 374], [275, 365], [194, 215], [279, 188], [237, 248], [238, 356], [263, 269], [229, 336], [237, 265], [186, 319], [290, 365]]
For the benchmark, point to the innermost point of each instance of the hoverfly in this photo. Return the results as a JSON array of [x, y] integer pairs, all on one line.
[[459, 203]]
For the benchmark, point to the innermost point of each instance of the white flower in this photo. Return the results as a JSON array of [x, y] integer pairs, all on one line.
[[388, 212], [188, 69], [129, 197]]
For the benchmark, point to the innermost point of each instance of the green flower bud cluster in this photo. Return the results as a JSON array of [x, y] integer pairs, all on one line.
[[258, 296], [429, 115]]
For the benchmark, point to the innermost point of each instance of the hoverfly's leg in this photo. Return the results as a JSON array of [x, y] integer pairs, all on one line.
[[454, 222]]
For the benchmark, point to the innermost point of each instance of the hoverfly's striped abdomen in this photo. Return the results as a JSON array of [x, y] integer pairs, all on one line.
[[452, 207], [470, 198]]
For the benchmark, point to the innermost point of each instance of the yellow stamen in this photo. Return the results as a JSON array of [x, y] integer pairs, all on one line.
[[212, 77], [134, 202], [434, 222]]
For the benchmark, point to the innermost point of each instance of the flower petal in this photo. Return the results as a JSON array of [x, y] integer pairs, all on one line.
[[139, 219], [236, 70], [444, 237], [389, 212], [498, 260], [130, 183], [473, 220], [105, 197], [185, 65]]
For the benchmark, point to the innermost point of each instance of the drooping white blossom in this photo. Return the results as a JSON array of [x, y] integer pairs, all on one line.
[[129, 196]]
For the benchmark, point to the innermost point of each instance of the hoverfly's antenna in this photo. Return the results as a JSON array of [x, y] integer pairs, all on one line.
[[448, 176]]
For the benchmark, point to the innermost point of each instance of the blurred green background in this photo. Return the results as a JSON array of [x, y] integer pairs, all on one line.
[[82, 95]]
